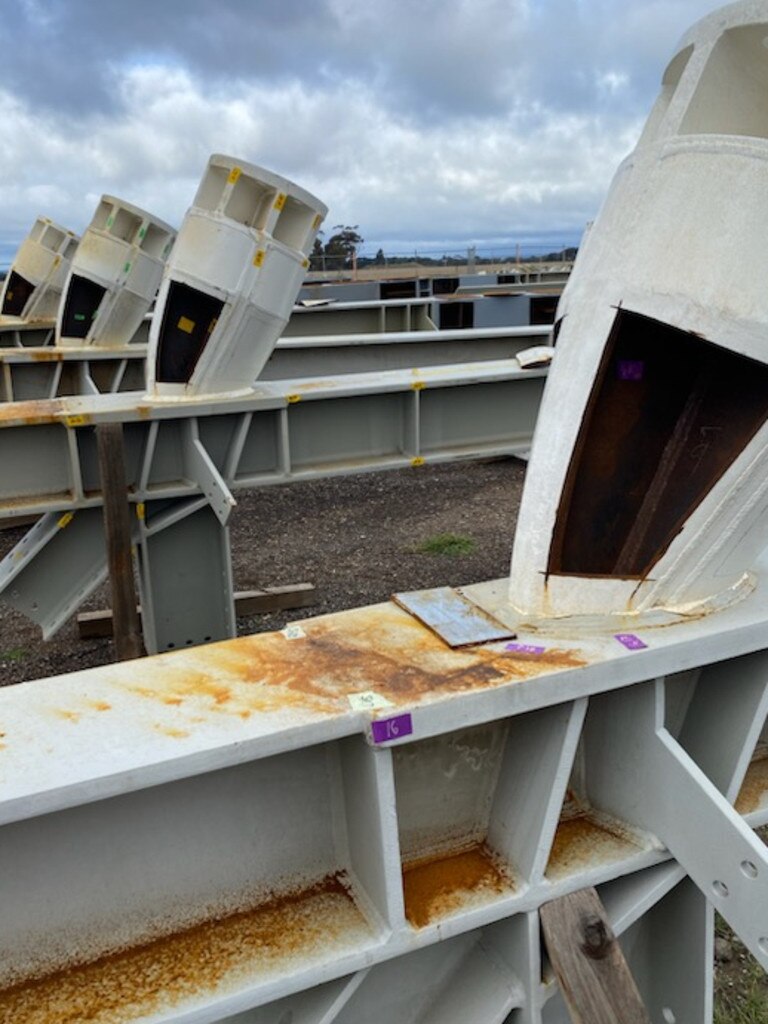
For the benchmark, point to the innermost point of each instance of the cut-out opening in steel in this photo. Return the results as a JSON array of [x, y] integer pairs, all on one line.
[[189, 319], [668, 414], [80, 306], [456, 315], [16, 294]]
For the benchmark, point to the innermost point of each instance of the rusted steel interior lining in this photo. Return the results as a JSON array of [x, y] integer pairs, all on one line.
[[81, 306], [189, 319], [16, 294], [668, 414]]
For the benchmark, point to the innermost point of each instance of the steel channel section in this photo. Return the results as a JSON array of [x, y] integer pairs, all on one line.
[[29, 374], [375, 819], [181, 457]]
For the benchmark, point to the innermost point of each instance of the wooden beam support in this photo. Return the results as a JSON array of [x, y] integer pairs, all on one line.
[[588, 962], [117, 530]]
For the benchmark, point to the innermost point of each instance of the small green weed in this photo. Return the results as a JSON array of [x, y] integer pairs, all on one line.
[[447, 544], [13, 654]]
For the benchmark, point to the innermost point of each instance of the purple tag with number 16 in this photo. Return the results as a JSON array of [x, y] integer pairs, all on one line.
[[384, 730]]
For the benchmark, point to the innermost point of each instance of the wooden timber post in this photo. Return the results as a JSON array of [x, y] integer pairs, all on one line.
[[594, 977], [117, 531]]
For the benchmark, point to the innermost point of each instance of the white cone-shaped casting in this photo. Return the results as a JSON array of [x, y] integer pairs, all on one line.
[[231, 281], [114, 276], [647, 490], [32, 288]]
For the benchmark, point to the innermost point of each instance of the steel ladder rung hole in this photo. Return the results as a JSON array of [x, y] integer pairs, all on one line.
[[748, 869], [720, 889]]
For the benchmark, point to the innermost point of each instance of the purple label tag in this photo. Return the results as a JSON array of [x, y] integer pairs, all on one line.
[[630, 369], [525, 649], [384, 730], [631, 642]]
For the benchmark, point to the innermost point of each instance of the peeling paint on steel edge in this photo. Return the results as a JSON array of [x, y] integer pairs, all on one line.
[[216, 955], [380, 648]]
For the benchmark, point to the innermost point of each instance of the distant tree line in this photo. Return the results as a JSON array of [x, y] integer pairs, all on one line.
[[340, 252]]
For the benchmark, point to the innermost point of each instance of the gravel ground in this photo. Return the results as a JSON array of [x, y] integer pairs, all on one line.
[[356, 538]]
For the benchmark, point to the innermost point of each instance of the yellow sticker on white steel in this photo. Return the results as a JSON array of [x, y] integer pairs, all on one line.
[[234, 174], [186, 325], [77, 421], [65, 520], [141, 510], [418, 460], [258, 259], [292, 399], [317, 222], [280, 201], [418, 385]]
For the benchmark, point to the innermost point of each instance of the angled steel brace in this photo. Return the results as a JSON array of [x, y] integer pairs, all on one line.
[[671, 796], [201, 468]]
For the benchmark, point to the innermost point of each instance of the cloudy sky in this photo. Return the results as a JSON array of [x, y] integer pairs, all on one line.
[[431, 124]]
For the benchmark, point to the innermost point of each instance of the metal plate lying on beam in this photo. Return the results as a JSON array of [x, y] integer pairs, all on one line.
[[453, 617]]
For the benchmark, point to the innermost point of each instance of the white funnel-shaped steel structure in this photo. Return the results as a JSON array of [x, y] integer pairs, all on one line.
[[231, 281], [114, 276], [32, 288], [647, 491]]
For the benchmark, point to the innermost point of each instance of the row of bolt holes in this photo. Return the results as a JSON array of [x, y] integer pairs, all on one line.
[[720, 889], [188, 643]]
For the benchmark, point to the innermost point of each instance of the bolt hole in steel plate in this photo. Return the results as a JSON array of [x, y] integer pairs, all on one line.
[[748, 869], [720, 889]]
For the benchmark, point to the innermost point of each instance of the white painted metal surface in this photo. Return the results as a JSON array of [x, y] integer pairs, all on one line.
[[647, 490], [236, 826], [232, 280], [32, 287], [114, 276]]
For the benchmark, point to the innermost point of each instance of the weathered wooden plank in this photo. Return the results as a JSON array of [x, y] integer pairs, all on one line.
[[117, 529], [588, 962]]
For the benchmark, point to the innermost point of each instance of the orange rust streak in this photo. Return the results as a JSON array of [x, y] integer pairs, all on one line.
[[381, 648], [31, 412], [581, 841], [198, 961], [69, 716], [754, 789], [100, 705], [438, 886]]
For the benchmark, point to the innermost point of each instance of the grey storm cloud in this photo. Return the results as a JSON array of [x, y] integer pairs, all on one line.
[[419, 120]]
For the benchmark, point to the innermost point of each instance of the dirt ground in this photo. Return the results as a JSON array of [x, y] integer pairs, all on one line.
[[357, 538]]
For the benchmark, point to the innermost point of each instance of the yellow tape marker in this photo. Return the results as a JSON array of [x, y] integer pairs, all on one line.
[[234, 174], [258, 259], [305, 264], [418, 385], [186, 325], [418, 461], [280, 201], [292, 399], [65, 520], [141, 510], [77, 421]]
